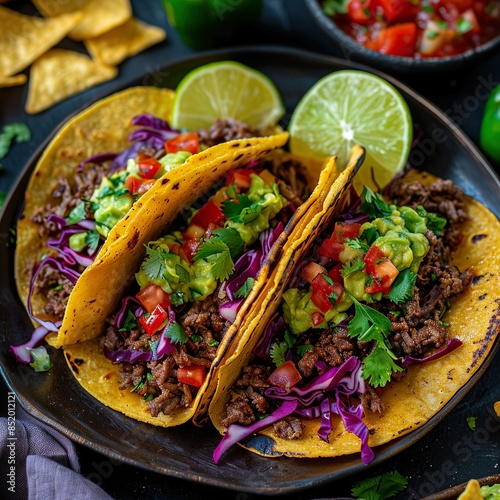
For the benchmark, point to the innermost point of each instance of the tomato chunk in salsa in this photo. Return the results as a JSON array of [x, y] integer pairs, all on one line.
[[417, 28]]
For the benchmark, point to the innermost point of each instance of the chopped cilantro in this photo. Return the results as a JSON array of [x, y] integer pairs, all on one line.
[[232, 239], [365, 317], [327, 279], [331, 7], [464, 26], [358, 244], [373, 204], [351, 267], [92, 239], [240, 209], [302, 349], [176, 333], [15, 131], [244, 289], [129, 323], [196, 338], [432, 34], [57, 288], [223, 265], [379, 487], [428, 9], [333, 297], [182, 273], [435, 222], [177, 298], [290, 339], [155, 266], [471, 422], [402, 288], [77, 214], [213, 343], [149, 396], [278, 353], [442, 24], [371, 234]]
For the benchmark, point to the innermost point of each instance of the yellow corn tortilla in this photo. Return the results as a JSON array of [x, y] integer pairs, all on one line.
[[12, 81], [103, 127], [24, 38], [124, 41], [98, 17], [61, 73], [410, 403], [88, 309]]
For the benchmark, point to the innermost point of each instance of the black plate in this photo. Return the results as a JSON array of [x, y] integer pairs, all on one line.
[[186, 451]]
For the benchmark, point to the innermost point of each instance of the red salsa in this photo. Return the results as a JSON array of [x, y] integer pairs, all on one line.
[[417, 28]]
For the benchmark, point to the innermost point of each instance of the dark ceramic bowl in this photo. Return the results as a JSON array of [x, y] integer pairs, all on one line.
[[353, 50]]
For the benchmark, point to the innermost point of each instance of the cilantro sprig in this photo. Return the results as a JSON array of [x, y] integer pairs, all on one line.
[[371, 325], [176, 333], [373, 204], [379, 487], [18, 132], [242, 210], [244, 289], [155, 265], [402, 288]]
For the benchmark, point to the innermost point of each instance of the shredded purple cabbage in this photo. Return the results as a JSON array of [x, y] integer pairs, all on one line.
[[23, 352], [151, 121], [97, 159], [275, 324], [450, 346], [236, 433], [229, 310]]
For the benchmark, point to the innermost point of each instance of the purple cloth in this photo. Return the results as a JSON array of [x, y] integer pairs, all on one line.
[[38, 462]]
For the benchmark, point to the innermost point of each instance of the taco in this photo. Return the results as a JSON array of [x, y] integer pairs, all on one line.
[[183, 286], [385, 312], [101, 163]]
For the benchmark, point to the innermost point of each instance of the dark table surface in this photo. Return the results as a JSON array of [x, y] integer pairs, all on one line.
[[451, 453]]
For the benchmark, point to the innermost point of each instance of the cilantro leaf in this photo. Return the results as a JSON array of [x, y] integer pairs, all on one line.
[[232, 209], [196, 338], [331, 7], [213, 343], [371, 234], [357, 244], [129, 323], [244, 289], [471, 422], [373, 204], [77, 214], [278, 353], [379, 487], [155, 266], [177, 298], [232, 239], [176, 333], [302, 349], [402, 288], [435, 222], [365, 317], [183, 274], [351, 267], [92, 239], [223, 264], [15, 131], [379, 365]]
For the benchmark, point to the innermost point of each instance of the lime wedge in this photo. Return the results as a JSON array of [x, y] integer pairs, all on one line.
[[226, 90], [354, 107]]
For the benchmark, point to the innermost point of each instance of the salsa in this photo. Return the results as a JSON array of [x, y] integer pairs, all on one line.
[[417, 28]]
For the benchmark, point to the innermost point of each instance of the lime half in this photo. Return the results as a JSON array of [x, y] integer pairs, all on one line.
[[226, 90], [354, 107]]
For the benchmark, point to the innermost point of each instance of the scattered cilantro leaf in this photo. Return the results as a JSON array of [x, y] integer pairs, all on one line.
[[371, 234], [333, 297], [196, 338], [2, 198], [92, 239], [379, 487], [57, 288], [176, 333], [365, 317], [331, 7], [213, 343], [244, 289], [379, 364], [357, 244], [15, 131], [351, 267], [290, 339], [373, 204], [435, 222], [232, 239], [402, 288], [155, 265], [464, 26], [77, 214], [223, 264], [182, 273], [471, 422], [278, 353], [129, 323], [302, 349], [232, 209], [177, 298]]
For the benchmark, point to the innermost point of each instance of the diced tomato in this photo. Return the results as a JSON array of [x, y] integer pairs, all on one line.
[[317, 318], [322, 290], [133, 184], [311, 271], [333, 246], [151, 296], [208, 214], [361, 11], [192, 375], [188, 141], [152, 321], [334, 273], [384, 276], [372, 258], [148, 166], [240, 177], [398, 40], [190, 248], [397, 9], [285, 376]]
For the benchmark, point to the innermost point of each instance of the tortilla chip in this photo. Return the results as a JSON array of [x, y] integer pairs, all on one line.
[[24, 38], [12, 81], [61, 73], [124, 41], [496, 407], [472, 491], [99, 16]]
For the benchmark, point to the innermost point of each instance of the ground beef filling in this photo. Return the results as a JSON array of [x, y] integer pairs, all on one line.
[[157, 380], [417, 328]]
